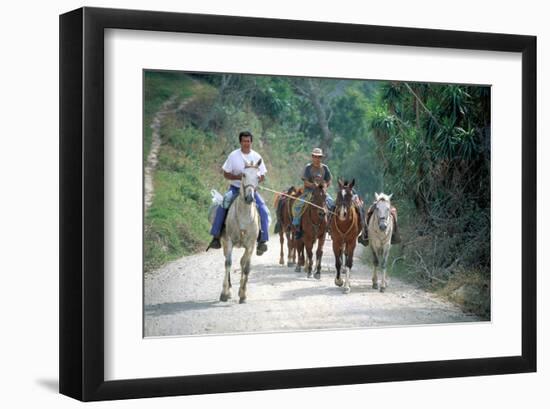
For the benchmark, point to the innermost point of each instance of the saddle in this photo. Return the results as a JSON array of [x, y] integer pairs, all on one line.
[[305, 205], [396, 236]]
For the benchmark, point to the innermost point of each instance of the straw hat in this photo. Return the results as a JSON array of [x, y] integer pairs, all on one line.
[[317, 152]]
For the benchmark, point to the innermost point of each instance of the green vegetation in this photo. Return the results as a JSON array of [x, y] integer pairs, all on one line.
[[199, 131], [433, 141], [428, 144]]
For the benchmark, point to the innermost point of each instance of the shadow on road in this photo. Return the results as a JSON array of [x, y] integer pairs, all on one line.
[[323, 290], [164, 309]]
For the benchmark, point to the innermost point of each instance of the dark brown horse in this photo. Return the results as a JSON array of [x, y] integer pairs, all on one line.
[[345, 227], [283, 204], [314, 227]]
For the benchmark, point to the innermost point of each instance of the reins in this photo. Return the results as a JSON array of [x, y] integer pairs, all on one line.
[[353, 221], [297, 198]]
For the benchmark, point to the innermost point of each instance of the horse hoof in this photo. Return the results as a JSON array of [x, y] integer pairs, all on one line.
[[224, 297], [339, 283], [297, 269], [382, 289], [308, 275], [282, 262], [347, 290], [318, 276], [375, 286], [242, 300]]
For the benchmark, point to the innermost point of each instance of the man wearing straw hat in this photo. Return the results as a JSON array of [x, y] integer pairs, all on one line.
[[314, 173]]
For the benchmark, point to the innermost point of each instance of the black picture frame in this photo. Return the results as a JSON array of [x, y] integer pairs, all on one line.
[[81, 277]]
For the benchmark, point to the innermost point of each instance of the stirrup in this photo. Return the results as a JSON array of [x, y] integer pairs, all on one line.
[[261, 248], [214, 244]]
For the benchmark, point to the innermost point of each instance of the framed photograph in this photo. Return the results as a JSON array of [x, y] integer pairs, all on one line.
[[386, 179]]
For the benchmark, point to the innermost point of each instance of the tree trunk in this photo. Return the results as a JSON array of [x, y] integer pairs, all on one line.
[[326, 139], [311, 90]]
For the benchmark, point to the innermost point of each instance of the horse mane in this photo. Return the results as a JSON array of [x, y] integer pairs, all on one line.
[[291, 191], [276, 200]]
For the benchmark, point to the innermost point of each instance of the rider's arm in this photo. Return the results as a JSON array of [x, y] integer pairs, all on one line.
[[308, 184], [328, 176], [305, 178], [231, 176]]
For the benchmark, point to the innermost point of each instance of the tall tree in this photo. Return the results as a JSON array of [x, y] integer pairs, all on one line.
[[320, 93]]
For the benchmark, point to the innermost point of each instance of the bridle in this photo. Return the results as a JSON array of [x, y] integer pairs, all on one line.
[[254, 187], [382, 218], [250, 185], [323, 206], [351, 211], [321, 212]]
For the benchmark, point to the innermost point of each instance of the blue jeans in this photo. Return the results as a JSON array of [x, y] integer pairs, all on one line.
[[221, 212]]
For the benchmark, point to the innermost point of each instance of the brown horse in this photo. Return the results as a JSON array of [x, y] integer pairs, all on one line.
[[314, 227], [345, 227], [283, 204]]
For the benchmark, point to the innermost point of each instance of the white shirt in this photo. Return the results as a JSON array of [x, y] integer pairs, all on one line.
[[235, 163]]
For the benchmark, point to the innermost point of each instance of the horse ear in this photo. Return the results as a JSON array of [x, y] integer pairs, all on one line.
[[352, 182], [340, 183], [259, 163], [376, 196], [389, 197]]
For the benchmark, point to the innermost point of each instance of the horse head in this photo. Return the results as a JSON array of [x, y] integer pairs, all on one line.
[[291, 191], [382, 209], [344, 198], [319, 197], [250, 179]]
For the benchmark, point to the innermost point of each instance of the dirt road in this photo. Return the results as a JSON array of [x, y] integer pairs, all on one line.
[[182, 298]]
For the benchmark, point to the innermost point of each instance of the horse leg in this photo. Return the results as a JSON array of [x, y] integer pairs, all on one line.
[[245, 270], [338, 258], [385, 254], [309, 261], [374, 272], [226, 287], [299, 245], [350, 247], [291, 249], [319, 256], [282, 241]]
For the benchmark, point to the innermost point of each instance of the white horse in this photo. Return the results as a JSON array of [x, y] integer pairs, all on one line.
[[380, 230], [242, 226]]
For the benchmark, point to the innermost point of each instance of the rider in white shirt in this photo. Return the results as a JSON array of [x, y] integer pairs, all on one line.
[[232, 170]]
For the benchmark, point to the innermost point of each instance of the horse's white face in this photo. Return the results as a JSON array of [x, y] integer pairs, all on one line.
[[249, 182], [343, 200], [382, 211]]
